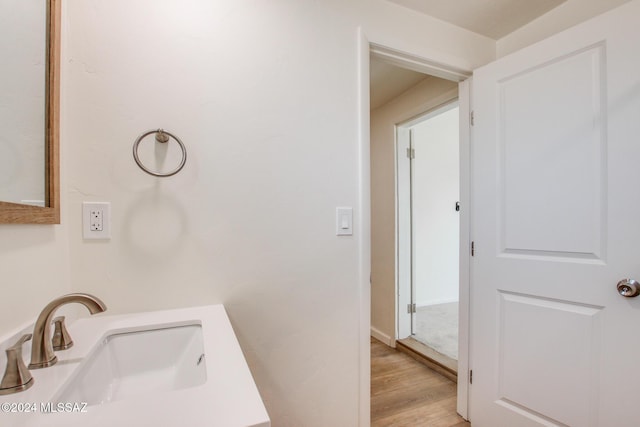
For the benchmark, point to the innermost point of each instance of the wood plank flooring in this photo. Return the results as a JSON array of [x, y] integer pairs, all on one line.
[[405, 393]]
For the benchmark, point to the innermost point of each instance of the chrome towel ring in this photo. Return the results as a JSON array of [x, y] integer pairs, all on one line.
[[162, 136]]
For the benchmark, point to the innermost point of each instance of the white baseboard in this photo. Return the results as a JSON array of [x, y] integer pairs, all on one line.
[[377, 334]]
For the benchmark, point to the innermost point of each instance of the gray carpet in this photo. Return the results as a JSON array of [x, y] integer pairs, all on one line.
[[437, 327]]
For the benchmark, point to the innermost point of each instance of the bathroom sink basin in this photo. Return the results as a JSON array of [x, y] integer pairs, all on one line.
[[124, 365], [144, 369]]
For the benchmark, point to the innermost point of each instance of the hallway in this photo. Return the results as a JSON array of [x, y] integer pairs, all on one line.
[[405, 393]]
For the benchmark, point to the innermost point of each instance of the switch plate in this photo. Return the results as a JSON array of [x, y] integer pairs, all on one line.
[[96, 220], [344, 221]]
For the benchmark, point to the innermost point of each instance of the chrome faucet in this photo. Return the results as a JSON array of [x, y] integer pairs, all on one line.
[[42, 354]]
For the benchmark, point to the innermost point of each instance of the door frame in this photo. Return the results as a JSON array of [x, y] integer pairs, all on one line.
[[405, 243], [363, 215]]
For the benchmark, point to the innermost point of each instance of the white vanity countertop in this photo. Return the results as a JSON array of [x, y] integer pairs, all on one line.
[[229, 397]]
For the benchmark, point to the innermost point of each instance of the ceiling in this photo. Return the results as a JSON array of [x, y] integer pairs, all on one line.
[[492, 18], [388, 81]]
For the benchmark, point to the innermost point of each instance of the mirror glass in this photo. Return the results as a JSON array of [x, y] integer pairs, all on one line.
[[29, 111], [23, 101]]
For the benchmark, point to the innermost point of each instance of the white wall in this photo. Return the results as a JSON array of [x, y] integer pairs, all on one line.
[[35, 269], [423, 97], [264, 95], [436, 224]]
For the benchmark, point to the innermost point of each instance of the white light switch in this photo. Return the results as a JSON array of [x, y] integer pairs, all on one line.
[[344, 221], [96, 220]]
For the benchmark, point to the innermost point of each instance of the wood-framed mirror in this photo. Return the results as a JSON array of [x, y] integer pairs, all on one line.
[[29, 105]]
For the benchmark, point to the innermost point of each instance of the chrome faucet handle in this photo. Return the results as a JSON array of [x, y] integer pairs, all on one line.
[[16, 377], [61, 339]]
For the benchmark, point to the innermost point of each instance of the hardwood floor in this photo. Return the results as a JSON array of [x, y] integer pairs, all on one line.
[[405, 393], [427, 356]]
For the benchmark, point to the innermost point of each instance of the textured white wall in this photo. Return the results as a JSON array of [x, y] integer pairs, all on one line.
[[264, 95], [35, 269], [436, 224], [423, 97]]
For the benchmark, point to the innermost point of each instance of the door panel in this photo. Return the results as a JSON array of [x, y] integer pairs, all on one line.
[[553, 140], [547, 343], [555, 152]]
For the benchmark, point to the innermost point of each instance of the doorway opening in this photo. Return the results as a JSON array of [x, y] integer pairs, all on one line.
[[428, 91], [428, 234], [431, 90]]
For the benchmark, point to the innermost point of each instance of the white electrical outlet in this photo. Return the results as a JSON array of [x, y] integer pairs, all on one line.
[[96, 220]]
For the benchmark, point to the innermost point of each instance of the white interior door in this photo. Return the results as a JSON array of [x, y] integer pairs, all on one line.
[[556, 224]]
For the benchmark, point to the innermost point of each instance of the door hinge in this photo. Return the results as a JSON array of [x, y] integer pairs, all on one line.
[[471, 376], [473, 248], [411, 308], [472, 118], [411, 153]]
